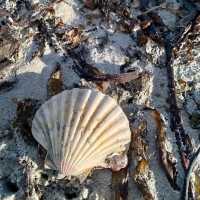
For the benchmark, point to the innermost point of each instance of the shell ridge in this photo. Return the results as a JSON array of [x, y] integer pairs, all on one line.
[[63, 126], [85, 138], [39, 129], [51, 129], [103, 140], [95, 146], [37, 120], [55, 132], [49, 163], [82, 106], [45, 113], [96, 160], [54, 120], [97, 134], [108, 119], [75, 117], [66, 128], [68, 146], [105, 145], [108, 147], [50, 144], [61, 133], [107, 150], [91, 115]]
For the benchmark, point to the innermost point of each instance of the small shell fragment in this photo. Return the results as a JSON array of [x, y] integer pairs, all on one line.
[[80, 129]]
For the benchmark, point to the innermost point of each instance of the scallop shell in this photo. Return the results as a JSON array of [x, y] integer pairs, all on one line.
[[80, 128]]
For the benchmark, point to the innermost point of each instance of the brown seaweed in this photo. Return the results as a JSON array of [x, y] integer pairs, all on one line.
[[55, 82], [167, 159]]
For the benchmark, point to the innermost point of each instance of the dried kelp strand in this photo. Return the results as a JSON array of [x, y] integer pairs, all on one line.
[[167, 159], [55, 82]]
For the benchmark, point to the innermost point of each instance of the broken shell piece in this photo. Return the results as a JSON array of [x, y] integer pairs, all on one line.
[[80, 129], [117, 162]]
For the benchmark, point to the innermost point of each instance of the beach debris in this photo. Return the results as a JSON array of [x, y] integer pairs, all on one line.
[[55, 82], [67, 190], [46, 28], [120, 184], [139, 151], [183, 140], [56, 24], [142, 39], [141, 177], [167, 159], [103, 80], [80, 129], [151, 28], [25, 112], [188, 87], [38, 46], [73, 37]]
